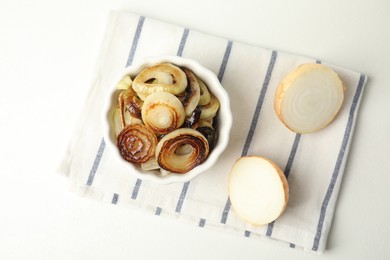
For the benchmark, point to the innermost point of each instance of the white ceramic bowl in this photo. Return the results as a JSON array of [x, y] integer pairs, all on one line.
[[224, 119]]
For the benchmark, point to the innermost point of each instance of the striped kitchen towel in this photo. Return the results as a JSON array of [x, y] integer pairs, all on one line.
[[313, 163]]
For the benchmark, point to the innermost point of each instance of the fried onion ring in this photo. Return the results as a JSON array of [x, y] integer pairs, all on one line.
[[182, 150]]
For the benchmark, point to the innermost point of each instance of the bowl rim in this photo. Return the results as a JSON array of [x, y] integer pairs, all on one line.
[[225, 117]]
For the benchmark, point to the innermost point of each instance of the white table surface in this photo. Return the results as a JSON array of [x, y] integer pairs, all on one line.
[[48, 51]]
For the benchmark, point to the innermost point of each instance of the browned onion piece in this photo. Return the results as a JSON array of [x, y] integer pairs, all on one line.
[[204, 93], [137, 143], [170, 153], [191, 96], [210, 110], [209, 133], [163, 112], [132, 102], [161, 77], [193, 120], [129, 103]]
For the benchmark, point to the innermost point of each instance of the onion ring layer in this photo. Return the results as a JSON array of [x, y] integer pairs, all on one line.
[[163, 112], [162, 77], [192, 92], [137, 143], [170, 153]]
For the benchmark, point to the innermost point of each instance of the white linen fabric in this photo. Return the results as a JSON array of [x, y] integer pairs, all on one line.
[[313, 163]]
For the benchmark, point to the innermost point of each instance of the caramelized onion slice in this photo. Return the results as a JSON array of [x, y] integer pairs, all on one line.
[[206, 123], [164, 172], [117, 120], [124, 83], [128, 100], [163, 112], [150, 164], [127, 120], [192, 120], [209, 133], [182, 150], [204, 93], [211, 109], [137, 143], [191, 95], [162, 77]]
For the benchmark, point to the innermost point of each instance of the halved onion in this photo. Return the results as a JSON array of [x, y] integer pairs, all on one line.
[[258, 190], [163, 112], [137, 143], [182, 150], [161, 77], [309, 98], [191, 95], [210, 110]]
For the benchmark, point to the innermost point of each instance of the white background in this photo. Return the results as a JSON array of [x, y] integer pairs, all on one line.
[[48, 51]]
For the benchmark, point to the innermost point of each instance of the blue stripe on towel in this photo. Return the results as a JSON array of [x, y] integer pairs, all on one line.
[[253, 125], [339, 162]]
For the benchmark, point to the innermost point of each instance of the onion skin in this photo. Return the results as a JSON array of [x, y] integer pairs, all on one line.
[[166, 151], [137, 143]]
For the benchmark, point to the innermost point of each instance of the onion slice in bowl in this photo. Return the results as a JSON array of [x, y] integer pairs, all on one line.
[[182, 150], [161, 77], [137, 143], [163, 112], [204, 93], [258, 190], [128, 99], [210, 110], [309, 98], [191, 96]]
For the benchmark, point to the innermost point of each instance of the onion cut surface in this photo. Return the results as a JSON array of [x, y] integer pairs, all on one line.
[[309, 98], [258, 190]]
